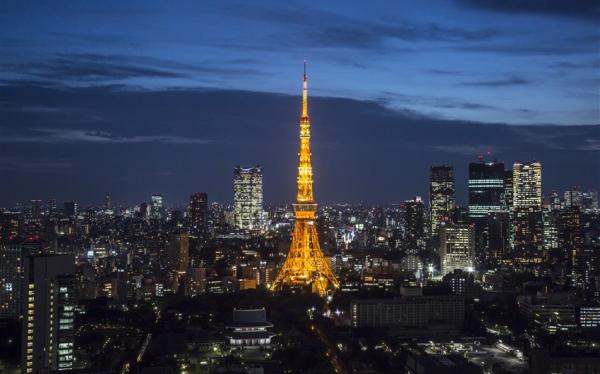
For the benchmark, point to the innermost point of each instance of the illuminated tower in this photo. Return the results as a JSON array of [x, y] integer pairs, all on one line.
[[305, 264]]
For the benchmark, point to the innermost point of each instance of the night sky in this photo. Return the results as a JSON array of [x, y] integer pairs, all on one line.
[[136, 98]]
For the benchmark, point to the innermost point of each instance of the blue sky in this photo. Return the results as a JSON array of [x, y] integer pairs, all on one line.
[[135, 98], [526, 63]]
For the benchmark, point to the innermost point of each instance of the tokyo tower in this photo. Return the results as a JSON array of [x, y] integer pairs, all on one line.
[[305, 264]]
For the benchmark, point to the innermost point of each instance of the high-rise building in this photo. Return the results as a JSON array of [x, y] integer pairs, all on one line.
[[48, 313], [179, 252], [441, 196], [498, 236], [70, 209], [571, 242], [305, 264], [589, 200], [551, 237], [156, 206], [486, 189], [508, 189], [527, 212], [51, 206], [198, 213], [11, 277], [457, 247], [107, 201], [248, 197], [36, 208], [527, 185], [573, 197], [414, 225]]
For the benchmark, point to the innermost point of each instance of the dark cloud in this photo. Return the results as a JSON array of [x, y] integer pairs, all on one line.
[[503, 82], [136, 142], [392, 98], [588, 10], [90, 67], [325, 29]]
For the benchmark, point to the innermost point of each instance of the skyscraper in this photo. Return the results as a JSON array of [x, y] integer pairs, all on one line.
[[247, 197], [486, 189], [414, 225], [457, 247], [11, 277], [70, 209], [198, 213], [36, 208], [156, 206], [441, 195], [179, 252], [305, 264], [573, 197], [527, 212], [48, 308], [571, 242]]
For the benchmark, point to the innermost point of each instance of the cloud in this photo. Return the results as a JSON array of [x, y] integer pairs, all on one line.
[[324, 29], [90, 67], [504, 82], [588, 10], [12, 163], [53, 136], [469, 149], [142, 133], [428, 101]]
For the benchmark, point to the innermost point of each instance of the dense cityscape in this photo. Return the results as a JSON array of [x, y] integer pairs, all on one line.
[[180, 195], [508, 284]]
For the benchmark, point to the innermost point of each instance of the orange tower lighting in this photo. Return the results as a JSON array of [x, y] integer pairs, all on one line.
[[305, 264]]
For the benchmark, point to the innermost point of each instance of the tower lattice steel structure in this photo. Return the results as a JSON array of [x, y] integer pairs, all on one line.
[[305, 264]]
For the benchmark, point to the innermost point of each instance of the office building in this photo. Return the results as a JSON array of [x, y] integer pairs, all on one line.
[[573, 197], [441, 196], [36, 208], [527, 212], [70, 209], [571, 242], [248, 198], [156, 206], [416, 311], [457, 247], [198, 214], [498, 236], [414, 225], [48, 313], [486, 189], [11, 278], [179, 252]]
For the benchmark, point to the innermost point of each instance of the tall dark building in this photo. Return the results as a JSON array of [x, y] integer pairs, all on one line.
[[11, 277], [198, 213], [36, 208], [571, 242], [486, 196], [498, 236], [70, 209], [48, 313], [414, 225], [486, 188], [441, 196]]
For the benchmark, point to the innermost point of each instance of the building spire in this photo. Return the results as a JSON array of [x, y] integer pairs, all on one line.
[[305, 94]]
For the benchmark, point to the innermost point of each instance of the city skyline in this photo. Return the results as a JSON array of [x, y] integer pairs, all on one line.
[[173, 200], [82, 115]]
